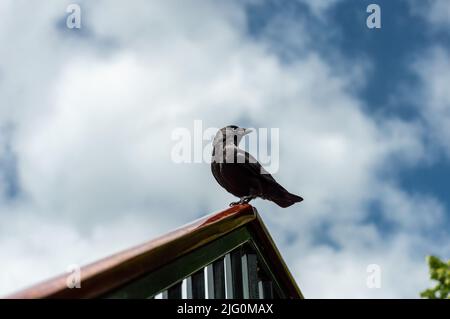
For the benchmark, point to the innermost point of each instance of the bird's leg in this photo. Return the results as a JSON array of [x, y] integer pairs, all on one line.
[[247, 199], [243, 200]]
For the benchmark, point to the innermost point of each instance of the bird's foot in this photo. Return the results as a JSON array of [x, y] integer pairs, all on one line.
[[235, 203], [247, 199], [243, 200]]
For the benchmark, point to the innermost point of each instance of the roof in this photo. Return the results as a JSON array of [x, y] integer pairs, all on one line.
[[119, 269]]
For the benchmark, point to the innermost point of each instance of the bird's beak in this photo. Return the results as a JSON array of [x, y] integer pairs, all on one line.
[[247, 131]]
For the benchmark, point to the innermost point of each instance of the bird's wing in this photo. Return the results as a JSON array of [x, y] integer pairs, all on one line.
[[268, 186], [253, 165]]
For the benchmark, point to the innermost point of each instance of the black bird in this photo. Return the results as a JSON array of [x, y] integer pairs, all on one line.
[[241, 174]]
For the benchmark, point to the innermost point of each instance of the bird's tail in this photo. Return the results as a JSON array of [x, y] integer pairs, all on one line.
[[286, 199]]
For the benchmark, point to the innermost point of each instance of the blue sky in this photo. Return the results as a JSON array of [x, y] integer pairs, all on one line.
[[390, 51], [363, 118], [403, 37]]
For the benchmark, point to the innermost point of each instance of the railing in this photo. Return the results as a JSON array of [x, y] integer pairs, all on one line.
[[227, 255], [240, 274]]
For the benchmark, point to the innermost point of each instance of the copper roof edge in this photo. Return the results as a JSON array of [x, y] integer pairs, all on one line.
[[122, 262]]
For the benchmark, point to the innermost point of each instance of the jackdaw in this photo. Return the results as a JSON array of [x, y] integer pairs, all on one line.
[[240, 173]]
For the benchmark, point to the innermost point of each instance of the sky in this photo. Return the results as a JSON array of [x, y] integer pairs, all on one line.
[[87, 115]]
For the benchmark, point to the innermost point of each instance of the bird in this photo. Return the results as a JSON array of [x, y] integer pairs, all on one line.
[[241, 174]]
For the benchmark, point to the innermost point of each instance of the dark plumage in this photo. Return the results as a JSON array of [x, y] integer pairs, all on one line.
[[241, 174]]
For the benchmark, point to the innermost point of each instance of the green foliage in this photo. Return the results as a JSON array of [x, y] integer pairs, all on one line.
[[439, 271]]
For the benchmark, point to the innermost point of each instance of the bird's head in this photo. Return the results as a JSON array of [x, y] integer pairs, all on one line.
[[231, 134]]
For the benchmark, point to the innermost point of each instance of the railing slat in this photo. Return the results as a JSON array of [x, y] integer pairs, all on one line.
[[219, 278], [186, 288], [198, 284], [229, 286], [210, 282], [158, 296], [161, 295], [250, 275], [236, 264], [174, 292], [266, 289]]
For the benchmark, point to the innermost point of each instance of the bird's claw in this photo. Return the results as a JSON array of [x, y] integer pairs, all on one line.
[[243, 200], [240, 202]]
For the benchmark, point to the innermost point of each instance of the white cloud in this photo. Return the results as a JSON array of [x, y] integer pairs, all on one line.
[[319, 7], [92, 127], [38, 247], [436, 12], [343, 274]]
